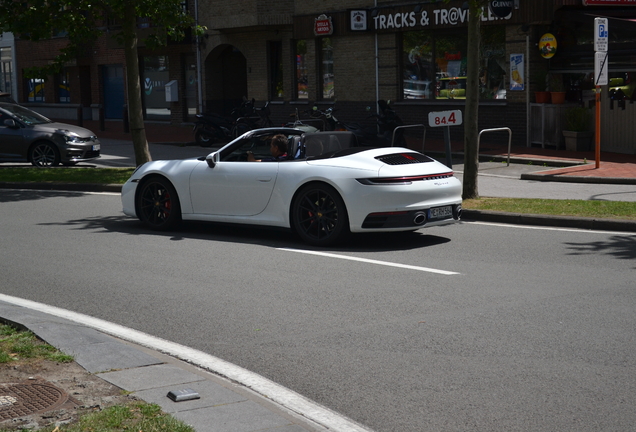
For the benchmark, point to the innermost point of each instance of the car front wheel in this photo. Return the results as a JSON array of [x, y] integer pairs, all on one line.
[[44, 155], [319, 216], [158, 204]]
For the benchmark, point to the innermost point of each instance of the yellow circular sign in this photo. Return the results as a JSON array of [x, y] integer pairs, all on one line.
[[547, 45]]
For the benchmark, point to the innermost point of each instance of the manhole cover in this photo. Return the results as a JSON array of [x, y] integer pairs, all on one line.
[[22, 399]]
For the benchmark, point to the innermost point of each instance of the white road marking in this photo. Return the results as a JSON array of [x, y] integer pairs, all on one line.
[[370, 261], [544, 228], [261, 385]]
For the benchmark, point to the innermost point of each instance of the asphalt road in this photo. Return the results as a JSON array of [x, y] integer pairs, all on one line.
[[470, 327]]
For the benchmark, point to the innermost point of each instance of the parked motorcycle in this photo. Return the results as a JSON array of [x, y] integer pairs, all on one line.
[[387, 122], [211, 128], [256, 119]]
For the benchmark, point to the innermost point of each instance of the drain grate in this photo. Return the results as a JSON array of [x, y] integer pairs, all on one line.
[[22, 399]]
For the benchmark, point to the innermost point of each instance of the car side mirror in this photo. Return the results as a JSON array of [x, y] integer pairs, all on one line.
[[11, 124], [212, 159]]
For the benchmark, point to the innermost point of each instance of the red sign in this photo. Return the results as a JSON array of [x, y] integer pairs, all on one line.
[[323, 26], [609, 2]]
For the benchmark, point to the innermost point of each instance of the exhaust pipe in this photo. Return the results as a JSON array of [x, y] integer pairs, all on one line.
[[458, 212], [419, 218]]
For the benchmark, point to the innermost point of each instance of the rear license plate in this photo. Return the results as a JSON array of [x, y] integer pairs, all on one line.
[[440, 212], [96, 147]]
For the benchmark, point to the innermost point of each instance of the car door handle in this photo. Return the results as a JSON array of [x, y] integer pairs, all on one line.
[[264, 179]]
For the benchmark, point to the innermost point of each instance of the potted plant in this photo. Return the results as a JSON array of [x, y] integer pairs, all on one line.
[[542, 95], [577, 132], [557, 89]]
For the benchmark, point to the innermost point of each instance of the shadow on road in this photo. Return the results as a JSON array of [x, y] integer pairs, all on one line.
[[15, 195], [256, 235], [621, 247]]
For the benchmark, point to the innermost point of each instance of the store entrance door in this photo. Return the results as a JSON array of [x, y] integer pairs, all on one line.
[[226, 79], [113, 91]]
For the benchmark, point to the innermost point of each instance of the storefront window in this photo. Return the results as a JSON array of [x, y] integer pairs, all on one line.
[[63, 88], [419, 69], [450, 66], [276, 70], [5, 70], [492, 63], [191, 84], [155, 78], [435, 65], [35, 88], [580, 87], [326, 68], [301, 70]]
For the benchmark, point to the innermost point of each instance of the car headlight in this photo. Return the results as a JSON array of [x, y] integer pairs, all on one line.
[[72, 138]]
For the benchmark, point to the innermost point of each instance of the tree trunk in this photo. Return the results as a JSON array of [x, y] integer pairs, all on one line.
[[133, 88], [471, 116]]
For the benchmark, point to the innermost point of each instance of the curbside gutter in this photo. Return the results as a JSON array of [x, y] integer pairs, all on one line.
[[577, 179], [548, 220]]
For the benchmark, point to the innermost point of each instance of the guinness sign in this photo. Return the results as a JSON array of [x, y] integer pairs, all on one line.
[[501, 8]]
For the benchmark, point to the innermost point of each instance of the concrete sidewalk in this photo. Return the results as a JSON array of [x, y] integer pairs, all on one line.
[[561, 165], [230, 399]]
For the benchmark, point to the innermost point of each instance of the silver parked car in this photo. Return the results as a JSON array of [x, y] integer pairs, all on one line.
[[28, 136]]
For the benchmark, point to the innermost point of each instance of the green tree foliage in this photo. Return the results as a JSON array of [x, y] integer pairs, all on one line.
[[81, 22]]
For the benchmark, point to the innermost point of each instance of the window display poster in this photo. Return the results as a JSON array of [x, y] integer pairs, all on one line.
[[517, 68]]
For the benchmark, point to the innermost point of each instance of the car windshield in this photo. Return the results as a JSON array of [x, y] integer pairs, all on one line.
[[25, 115]]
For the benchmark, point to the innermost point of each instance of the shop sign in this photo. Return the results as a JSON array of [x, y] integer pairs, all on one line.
[[358, 20], [609, 2], [501, 8], [323, 26], [517, 72], [547, 45], [452, 16]]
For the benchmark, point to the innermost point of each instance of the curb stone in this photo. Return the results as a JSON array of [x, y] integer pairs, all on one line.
[[548, 220]]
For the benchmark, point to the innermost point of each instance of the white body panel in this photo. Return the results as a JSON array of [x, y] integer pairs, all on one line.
[[262, 192]]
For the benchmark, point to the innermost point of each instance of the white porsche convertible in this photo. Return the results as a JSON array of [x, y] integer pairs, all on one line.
[[324, 189]]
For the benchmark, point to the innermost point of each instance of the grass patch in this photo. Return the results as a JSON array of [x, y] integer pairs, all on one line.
[[135, 416], [66, 175], [582, 208], [21, 345], [17, 345]]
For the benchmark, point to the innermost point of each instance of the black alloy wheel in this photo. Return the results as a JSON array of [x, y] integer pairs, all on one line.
[[44, 154], [158, 204], [319, 216], [206, 137], [203, 138]]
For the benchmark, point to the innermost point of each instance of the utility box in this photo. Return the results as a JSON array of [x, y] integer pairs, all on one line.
[[172, 91]]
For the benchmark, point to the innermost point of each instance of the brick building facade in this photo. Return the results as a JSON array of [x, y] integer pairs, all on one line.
[[298, 54]]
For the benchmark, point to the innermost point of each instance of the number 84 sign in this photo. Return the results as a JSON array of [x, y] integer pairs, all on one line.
[[445, 118]]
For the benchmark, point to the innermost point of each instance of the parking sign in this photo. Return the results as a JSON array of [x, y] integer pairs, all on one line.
[[601, 34]]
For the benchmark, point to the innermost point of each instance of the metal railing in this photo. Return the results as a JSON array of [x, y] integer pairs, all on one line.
[[498, 130], [406, 127]]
